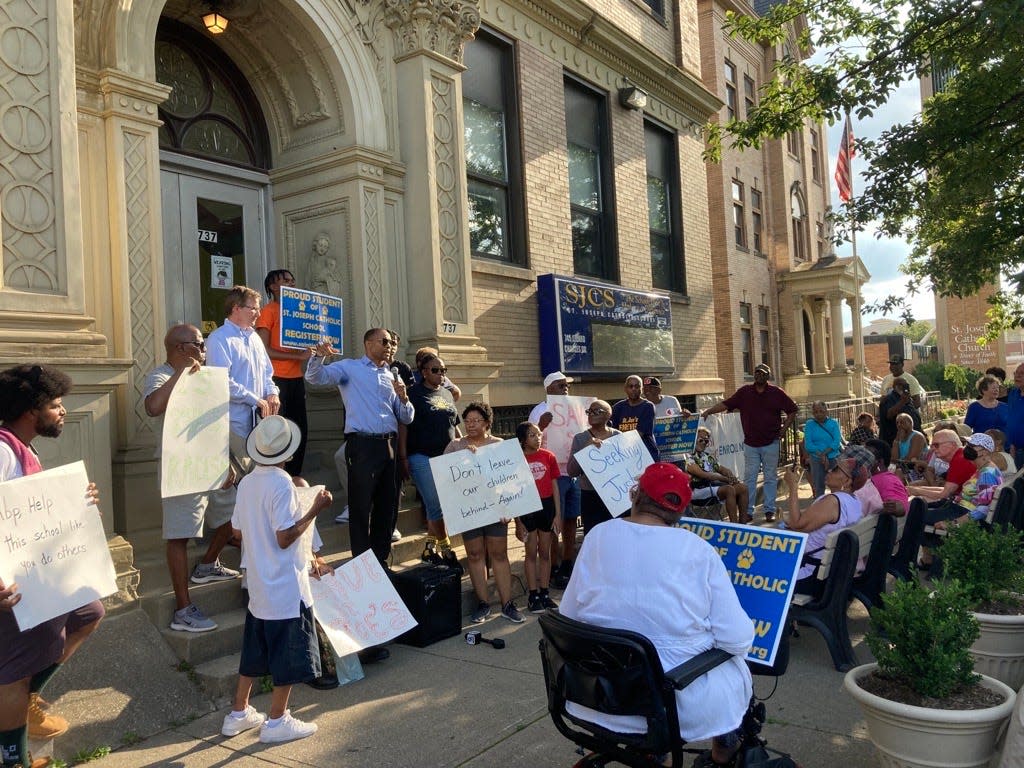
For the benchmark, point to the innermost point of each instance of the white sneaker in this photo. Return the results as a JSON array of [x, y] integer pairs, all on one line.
[[396, 535], [236, 725], [343, 517], [288, 729]]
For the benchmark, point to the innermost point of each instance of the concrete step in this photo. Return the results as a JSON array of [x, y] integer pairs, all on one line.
[[198, 647], [218, 677], [213, 598]]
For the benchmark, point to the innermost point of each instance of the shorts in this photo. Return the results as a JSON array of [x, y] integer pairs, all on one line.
[[285, 649], [494, 531], [23, 654], [542, 519], [707, 492]]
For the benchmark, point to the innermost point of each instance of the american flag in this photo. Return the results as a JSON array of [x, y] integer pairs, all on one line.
[[844, 174]]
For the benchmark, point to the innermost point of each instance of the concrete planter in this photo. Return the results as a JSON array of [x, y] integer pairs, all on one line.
[[918, 737], [999, 651]]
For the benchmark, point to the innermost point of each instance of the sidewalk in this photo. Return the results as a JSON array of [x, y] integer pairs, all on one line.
[[446, 705]]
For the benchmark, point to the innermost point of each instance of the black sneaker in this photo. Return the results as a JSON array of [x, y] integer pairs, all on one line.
[[769, 517], [449, 558], [547, 603], [534, 604]]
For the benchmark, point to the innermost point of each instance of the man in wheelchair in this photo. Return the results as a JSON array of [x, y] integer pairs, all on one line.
[[644, 575]]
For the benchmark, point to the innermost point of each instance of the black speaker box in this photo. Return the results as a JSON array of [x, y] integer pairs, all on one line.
[[433, 595]]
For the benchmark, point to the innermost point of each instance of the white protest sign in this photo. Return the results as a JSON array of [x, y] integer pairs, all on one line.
[[194, 451], [310, 540], [613, 467], [358, 607], [727, 441], [477, 489], [53, 545], [568, 419]]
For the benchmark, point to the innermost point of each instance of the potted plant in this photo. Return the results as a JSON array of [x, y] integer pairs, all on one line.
[[923, 703], [989, 566]]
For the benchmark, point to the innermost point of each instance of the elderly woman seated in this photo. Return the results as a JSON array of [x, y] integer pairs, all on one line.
[[645, 575], [884, 493], [709, 479], [831, 511]]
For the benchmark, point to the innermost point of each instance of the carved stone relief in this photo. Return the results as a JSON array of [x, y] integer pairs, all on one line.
[[374, 257], [438, 26], [446, 177], [29, 200]]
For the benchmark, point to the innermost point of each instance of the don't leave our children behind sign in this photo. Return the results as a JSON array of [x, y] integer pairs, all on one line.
[[482, 487], [308, 318], [52, 544], [762, 565]]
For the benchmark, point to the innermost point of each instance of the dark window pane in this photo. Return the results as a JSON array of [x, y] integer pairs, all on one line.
[[661, 261], [657, 206], [584, 177], [586, 244], [488, 214]]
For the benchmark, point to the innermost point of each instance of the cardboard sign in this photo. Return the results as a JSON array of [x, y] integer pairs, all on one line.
[[482, 487], [727, 441], [307, 318], [53, 544], [614, 467], [194, 452], [676, 436], [358, 607], [568, 419], [762, 565]]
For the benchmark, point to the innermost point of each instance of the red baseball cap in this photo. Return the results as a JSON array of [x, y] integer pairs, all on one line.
[[662, 479]]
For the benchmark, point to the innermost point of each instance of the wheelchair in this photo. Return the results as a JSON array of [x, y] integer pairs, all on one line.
[[619, 672]]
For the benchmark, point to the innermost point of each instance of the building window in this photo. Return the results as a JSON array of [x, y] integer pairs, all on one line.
[[819, 234], [730, 90], [590, 196], [746, 338], [763, 335], [798, 219], [663, 210], [815, 157], [657, 7], [738, 218], [490, 126], [793, 139], [749, 95], [756, 221]]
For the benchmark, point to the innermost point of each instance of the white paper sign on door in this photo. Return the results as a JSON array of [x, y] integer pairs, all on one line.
[[613, 467], [53, 544], [194, 451]]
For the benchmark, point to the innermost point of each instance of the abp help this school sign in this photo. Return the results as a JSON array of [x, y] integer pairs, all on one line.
[[762, 565]]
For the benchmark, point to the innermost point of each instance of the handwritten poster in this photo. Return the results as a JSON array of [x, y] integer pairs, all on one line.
[[762, 565], [568, 419], [194, 451], [727, 440], [675, 436], [477, 489], [53, 544], [307, 318], [614, 467], [358, 607]]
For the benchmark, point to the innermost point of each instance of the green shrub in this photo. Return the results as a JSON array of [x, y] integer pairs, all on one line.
[[921, 638], [986, 563]]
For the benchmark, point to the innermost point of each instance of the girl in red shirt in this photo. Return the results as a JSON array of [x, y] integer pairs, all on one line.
[[535, 529]]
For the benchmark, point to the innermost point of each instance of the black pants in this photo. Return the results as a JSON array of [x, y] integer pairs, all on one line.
[[293, 406], [592, 510], [372, 493]]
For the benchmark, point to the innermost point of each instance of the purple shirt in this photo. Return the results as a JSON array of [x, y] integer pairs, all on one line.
[[760, 413]]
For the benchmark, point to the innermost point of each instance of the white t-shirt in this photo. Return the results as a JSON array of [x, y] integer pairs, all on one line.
[[669, 406], [538, 410], [9, 466], [278, 578], [913, 383], [154, 380], [672, 587]]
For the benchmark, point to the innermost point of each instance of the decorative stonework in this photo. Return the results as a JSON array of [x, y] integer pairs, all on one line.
[[446, 188], [28, 203], [374, 258], [140, 270], [436, 26]]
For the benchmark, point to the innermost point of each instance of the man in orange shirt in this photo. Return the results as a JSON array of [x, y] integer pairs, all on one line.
[[287, 362]]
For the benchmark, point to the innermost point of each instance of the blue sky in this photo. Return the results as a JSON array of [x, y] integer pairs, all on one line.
[[881, 256]]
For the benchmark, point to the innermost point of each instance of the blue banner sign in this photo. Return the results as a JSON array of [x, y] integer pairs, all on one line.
[[762, 565], [307, 318], [676, 436], [590, 327]]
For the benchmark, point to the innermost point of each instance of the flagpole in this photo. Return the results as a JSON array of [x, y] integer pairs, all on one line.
[[858, 364]]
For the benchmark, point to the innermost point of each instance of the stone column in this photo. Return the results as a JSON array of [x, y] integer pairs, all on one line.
[[429, 39], [798, 334], [858, 344], [820, 341], [838, 348]]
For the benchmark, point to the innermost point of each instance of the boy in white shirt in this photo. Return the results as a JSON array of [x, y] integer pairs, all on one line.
[[279, 619]]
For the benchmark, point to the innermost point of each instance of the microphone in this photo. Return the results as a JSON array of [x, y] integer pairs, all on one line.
[[476, 637], [395, 372]]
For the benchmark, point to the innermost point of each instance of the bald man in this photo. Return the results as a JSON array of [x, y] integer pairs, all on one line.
[[184, 515]]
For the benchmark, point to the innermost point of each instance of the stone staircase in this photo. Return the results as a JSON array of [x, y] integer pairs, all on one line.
[[211, 658]]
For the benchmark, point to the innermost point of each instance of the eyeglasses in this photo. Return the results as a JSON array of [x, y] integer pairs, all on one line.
[[255, 308], [388, 342], [595, 411], [474, 421], [198, 344], [439, 370], [837, 468], [703, 439]]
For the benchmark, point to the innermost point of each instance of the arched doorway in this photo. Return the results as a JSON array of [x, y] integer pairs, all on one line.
[[214, 159]]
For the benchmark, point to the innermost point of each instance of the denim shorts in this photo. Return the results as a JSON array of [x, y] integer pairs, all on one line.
[[419, 468], [285, 649]]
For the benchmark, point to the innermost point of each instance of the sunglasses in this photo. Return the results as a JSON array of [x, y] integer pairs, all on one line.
[[439, 370], [595, 411], [837, 468], [199, 344]]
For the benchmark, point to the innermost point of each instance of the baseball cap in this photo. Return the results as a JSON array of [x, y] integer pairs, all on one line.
[[652, 381], [551, 378], [663, 481], [896, 359], [981, 440], [763, 367]]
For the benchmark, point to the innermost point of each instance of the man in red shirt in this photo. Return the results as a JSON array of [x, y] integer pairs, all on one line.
[[947, 446], [761, 406]]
